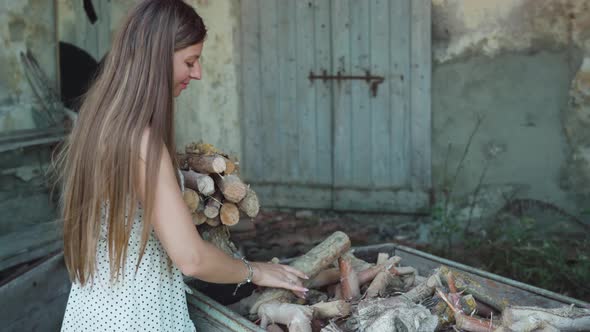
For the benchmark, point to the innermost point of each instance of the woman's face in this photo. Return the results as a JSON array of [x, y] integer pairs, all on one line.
[[186, 67]]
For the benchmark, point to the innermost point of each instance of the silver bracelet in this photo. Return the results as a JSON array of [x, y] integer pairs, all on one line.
[[248, 278]]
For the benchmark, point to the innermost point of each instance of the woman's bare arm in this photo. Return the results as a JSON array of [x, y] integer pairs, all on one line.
[[190, 253]]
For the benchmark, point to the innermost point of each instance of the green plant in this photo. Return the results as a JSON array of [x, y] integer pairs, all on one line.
[[516, 248], [444, 228]]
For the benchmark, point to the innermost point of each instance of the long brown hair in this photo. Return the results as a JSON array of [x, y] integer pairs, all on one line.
[[100, 159]]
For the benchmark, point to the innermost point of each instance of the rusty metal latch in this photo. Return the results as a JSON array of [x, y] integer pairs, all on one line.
[[372, 80]]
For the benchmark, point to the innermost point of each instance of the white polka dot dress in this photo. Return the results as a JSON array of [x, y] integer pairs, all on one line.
[[153, 299]]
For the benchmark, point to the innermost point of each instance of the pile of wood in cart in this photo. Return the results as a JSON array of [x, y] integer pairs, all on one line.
[[214, 192], [349, 294]]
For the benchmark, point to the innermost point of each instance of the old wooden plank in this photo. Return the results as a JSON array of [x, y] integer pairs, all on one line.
[[380, 200], [270, 124], [209, 315], [342, 110], [504, 291], [288, 93], [305, 196], [323, 91], [31, 137], [420, 94], [29, 243], [361, 117], [381, 108], [103, 27], [36, 301], [251, 163], [511, 290], [75, 27], [399, 49], [306, 112]]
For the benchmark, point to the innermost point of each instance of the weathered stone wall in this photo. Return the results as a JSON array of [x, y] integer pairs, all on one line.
[[27, 24], [24, 193], [522, 66], [209, 109]]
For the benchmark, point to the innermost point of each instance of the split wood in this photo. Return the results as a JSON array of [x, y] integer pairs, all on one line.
[[310, 264]]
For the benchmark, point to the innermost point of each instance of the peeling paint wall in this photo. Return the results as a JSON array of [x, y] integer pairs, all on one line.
[[522, 65], [25, 198], [24, 193], [75, 28], [208, 109], [28, 24]]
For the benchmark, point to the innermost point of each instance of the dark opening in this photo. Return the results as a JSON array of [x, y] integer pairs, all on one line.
[[77, 70]]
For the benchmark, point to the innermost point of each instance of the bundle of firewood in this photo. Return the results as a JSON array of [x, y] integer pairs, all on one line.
[[214, 192], [349, 294]]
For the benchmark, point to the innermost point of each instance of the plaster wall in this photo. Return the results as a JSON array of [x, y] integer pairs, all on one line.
[[28, 24]]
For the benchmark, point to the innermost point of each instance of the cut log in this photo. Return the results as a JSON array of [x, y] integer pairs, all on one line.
[[348, 280], [206, 164], [212, 206], [220, 237], [191, 198], [232, 187], [315, 260], [199, 218], [296, 317], [200, 182], [213, 222], [425, 289], [231, 167], [250, 204], [382, 257], [229, 214], [325, 278], [182, 160], [464, 322], [367, 275], [357, 263], [566, 318], [333, 309], [384, 284]]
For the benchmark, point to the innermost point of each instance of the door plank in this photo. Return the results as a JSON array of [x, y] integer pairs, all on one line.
[[287, 87], [360, 113], [400, 92], [342, 90], [420, 94], [306, 111], [252, 167], [323, 92], [270, 124], [381, 108]]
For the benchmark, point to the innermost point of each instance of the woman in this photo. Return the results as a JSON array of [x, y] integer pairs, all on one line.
[[127, 272]]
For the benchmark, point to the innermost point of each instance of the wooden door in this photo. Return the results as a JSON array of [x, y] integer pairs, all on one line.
[[381, 135], [336, 143]]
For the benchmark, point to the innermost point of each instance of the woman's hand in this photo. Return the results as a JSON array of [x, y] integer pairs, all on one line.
[[279, 276]]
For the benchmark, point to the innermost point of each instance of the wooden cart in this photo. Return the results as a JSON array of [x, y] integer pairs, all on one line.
[[35, 300]]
